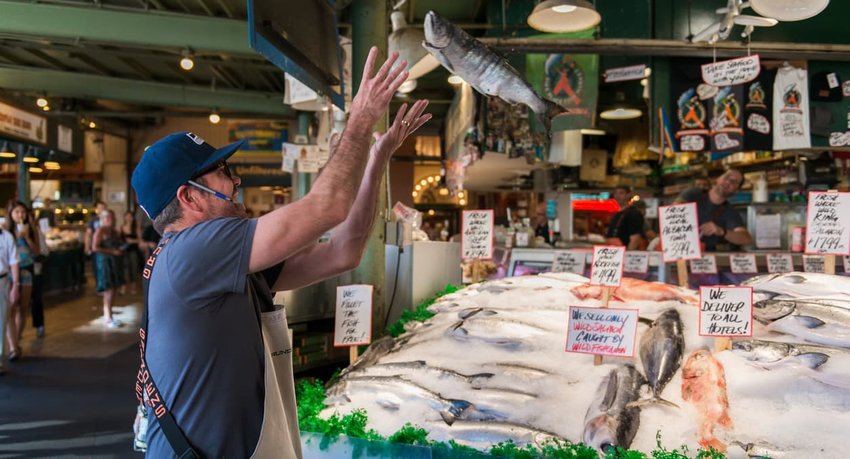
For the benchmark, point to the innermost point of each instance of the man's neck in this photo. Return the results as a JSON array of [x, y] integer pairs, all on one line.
[[715, 198]]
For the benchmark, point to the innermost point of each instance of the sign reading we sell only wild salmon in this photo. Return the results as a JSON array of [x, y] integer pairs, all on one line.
[[679, 232], [476, 237], [602, 331], [726, 311], [353, 320], [828, 223], [607, 266]]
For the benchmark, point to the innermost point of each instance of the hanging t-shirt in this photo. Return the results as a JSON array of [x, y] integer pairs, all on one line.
[[791, 109], [758, 112], [726, 119], [690, 115]]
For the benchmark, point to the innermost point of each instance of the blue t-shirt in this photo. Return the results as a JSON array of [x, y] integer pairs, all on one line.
[[204, 341]]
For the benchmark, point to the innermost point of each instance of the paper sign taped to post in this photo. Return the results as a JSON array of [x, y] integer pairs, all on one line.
[[636, 262], [679, 232], [828, 223], [732, 72], [726, 311], [607, 265], [743, 263], [780, 262], [353, 320], [477, 235], [569, 262], [602, 331]]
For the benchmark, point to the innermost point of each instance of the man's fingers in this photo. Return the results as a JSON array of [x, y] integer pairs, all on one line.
[[399, 116], [370, 64], [388, 64], [396, 71], [396, 83], [420, 121]]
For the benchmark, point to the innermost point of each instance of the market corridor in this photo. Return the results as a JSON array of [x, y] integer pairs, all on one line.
[[71, 395]]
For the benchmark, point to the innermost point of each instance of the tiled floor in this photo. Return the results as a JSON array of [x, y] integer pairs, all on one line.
[[71, 395]]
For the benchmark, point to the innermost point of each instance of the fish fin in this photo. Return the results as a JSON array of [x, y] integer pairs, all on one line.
[[812, 359], [651, 401], [610, 392], [809, 321], [451, 413], [469, 312], [645, 321], [552, 110]]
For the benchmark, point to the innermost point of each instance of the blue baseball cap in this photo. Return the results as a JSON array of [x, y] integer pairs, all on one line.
[[171, 162]]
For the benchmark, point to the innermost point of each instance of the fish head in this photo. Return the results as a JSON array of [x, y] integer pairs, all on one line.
[[697, 364], [760, 351], [438, 31], [770, 310], [601, 433]]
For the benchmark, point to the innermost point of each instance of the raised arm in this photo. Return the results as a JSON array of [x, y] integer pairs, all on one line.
[[290, 229], [345, 248]]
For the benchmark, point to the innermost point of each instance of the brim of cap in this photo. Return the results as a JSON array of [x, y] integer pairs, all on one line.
[[221, 154]]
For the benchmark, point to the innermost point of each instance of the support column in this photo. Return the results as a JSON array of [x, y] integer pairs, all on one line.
[[23, 176], [302, 182], [369, 28]]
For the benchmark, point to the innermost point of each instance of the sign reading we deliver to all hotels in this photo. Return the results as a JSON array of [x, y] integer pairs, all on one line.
[[726, 311]]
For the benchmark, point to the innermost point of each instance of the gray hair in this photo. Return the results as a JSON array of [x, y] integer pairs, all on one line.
[[170, 214]]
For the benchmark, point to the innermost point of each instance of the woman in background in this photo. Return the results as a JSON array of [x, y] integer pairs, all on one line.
[[109, 272], [23, 229], [131, 232]]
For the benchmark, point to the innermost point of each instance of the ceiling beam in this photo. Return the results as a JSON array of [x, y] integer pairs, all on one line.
[[69, 84], [658, 47], [142, 29], [93, 63], [50, 60]]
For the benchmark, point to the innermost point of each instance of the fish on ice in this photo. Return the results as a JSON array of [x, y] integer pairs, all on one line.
[[704, 385], [631, 289], [611, 420], [661, 349]]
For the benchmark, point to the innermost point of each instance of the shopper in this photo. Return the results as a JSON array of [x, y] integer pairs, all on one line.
[[9, 290], [37, 297], [26, 239], [721, 226], [215, 270], [133, 261], [92, 226], [626, 227], [107, 246]]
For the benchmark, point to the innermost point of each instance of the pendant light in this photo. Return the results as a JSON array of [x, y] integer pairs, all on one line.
[[621, 113], [407, 42], [789, 10], [558, 16]]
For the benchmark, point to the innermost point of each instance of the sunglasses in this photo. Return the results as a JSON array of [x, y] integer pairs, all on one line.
[[215, 167]]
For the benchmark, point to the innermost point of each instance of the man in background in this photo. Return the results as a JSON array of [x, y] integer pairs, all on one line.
[[626, 227], [721, 226]]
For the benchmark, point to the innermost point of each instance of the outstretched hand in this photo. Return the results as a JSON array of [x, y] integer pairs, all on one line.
[[373, 96], [405, 123]]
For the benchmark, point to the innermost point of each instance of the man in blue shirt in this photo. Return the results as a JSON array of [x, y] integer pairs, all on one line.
[[215, 348]]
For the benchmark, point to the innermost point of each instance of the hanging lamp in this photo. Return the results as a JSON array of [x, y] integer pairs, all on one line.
[[558, 16]]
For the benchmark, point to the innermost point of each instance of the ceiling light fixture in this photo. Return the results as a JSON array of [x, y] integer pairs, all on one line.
[[186, 62], [592, 132], [49, 164], [29, 159], [37, 170], [789, 10], [621, 113], [92, 124], [46, 108], [53, 168], [407, 42], [454, 79], [5, 151], [41, 102], [215, 118], [558, 16]]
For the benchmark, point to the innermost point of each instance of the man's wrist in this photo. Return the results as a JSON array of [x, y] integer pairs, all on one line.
[[724, 233]]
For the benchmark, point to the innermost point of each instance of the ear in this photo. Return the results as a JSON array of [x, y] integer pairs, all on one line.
[[188, 199]]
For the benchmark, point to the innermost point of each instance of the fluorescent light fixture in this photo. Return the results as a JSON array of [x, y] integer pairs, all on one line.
[[49, 164], [592, 132], [29, 159], [557, 16], [37, 170], [621, 114], [454, 79]]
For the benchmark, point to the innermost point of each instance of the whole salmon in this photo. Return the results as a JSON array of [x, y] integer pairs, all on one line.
[[704, 385]]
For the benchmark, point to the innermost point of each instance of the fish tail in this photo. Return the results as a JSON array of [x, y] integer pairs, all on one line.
[[456, 407], [552, 110], [477, 378], [651, 401]]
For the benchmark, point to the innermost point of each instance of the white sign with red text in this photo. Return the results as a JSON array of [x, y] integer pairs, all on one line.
[[602, 331], [705, 265]]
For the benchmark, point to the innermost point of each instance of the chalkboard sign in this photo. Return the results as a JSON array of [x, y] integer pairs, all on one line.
[[828, 223], [477, 235], [636, 263], [679, 232], [726, 311], [814, 264], [607, 266], [602, 331], [707, 264], [731, 72], [569, 262], [353, 321], [743, 263], [780, 263]]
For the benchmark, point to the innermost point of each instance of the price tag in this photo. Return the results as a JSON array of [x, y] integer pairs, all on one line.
[[780, 263], [288, 164], [636, 263], [743, 263], [707, 264], [602, 331], [353, 320], [522, 239], [828, 223], [679, 232], [731, 72], [477, 235], [607, 265], [814, 264], [569, 262], [726, 311]]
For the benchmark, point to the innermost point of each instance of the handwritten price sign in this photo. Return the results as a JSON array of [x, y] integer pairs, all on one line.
[[707, 264], [679, 232], [607, 266], [814, 264], [477, 235], [353, 321], [731, 72], [743, 263], [726, 311], [827, 222], [780, 263], [569, 262], [636, 262], [602, 331]]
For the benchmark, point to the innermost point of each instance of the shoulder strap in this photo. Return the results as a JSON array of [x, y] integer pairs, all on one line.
[[145, 387]]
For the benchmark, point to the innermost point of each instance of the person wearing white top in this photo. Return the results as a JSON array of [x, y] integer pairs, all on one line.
[[8, 285]]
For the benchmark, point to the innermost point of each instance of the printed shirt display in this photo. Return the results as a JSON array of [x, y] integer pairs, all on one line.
[[758, 114], [791, 109]]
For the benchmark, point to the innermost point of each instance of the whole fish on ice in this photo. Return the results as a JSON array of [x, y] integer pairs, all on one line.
[[704, 385], [805, 358], [484, 434], [801, 285], [420, 367], [637, 290], [813, 321], [611, 421], [661, 349], [483, 69]]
